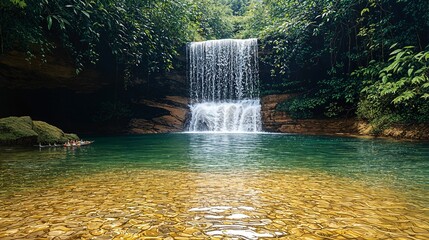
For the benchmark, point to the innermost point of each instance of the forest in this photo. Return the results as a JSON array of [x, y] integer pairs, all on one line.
[[341, 58]]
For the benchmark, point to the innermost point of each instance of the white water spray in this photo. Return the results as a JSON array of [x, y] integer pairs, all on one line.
[[224, 86]]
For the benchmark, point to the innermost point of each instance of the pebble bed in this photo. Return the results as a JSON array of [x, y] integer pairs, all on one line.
[[168, 204]]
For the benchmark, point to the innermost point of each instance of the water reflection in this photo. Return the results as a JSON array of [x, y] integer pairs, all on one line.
[[22, 168], [230, 201], [225, 152], [400, 164]]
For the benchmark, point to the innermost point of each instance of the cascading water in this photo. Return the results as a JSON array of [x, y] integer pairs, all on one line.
[[224, 86]]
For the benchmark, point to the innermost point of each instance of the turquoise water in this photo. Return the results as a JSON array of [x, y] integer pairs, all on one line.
[[204, 186], [375, 161]]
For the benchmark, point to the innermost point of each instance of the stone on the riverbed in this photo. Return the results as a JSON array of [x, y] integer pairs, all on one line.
[[25, 131]]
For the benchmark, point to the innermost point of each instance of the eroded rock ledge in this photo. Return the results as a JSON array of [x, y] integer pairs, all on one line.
[[277, 121], [171, 116]]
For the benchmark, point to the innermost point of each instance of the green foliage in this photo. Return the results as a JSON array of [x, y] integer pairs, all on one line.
[[238, 7], [397, 91], [139, 37], [253, 21], [334, 97], [302, 107], [19, 3], [328, 51], [299, 41], [406, 78], [335, 55], [213, 19]]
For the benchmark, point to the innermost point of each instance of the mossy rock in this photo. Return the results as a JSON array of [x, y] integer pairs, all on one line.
[[71, 136], [25, 131], [17, 131], [51, 134]]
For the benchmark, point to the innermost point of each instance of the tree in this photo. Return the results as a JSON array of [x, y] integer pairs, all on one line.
[[141, 37], [319, 49], [213, 20]]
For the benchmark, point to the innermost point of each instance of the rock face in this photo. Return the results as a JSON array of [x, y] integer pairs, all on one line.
[[272, 120], [277, 121], [25, 131], [170, 116]]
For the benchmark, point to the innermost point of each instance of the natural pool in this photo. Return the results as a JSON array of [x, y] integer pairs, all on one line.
[[217, 186]]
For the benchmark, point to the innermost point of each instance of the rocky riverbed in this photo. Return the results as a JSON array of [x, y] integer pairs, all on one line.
[[168, 204]]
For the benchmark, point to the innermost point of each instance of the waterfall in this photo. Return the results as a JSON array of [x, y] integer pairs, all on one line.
[[224, 86]]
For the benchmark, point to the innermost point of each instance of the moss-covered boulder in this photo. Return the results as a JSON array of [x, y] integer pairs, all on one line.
[[51, 134], [25, 131], [17, 131]]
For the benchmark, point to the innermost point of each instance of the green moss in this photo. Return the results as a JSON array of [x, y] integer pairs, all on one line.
[[71, 136], [25, 131], [51, 134], [17, 131]]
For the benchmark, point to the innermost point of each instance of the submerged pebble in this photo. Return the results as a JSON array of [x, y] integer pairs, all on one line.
[[166, 204]]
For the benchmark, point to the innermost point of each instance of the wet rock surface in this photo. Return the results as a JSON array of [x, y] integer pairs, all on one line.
[[168, 204]]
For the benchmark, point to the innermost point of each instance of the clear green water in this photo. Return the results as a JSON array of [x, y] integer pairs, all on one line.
[[217, 186], [397, 164], [375, 161]]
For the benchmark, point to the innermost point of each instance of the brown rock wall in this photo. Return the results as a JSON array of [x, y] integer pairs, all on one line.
[[272, 120], [321, 126]]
